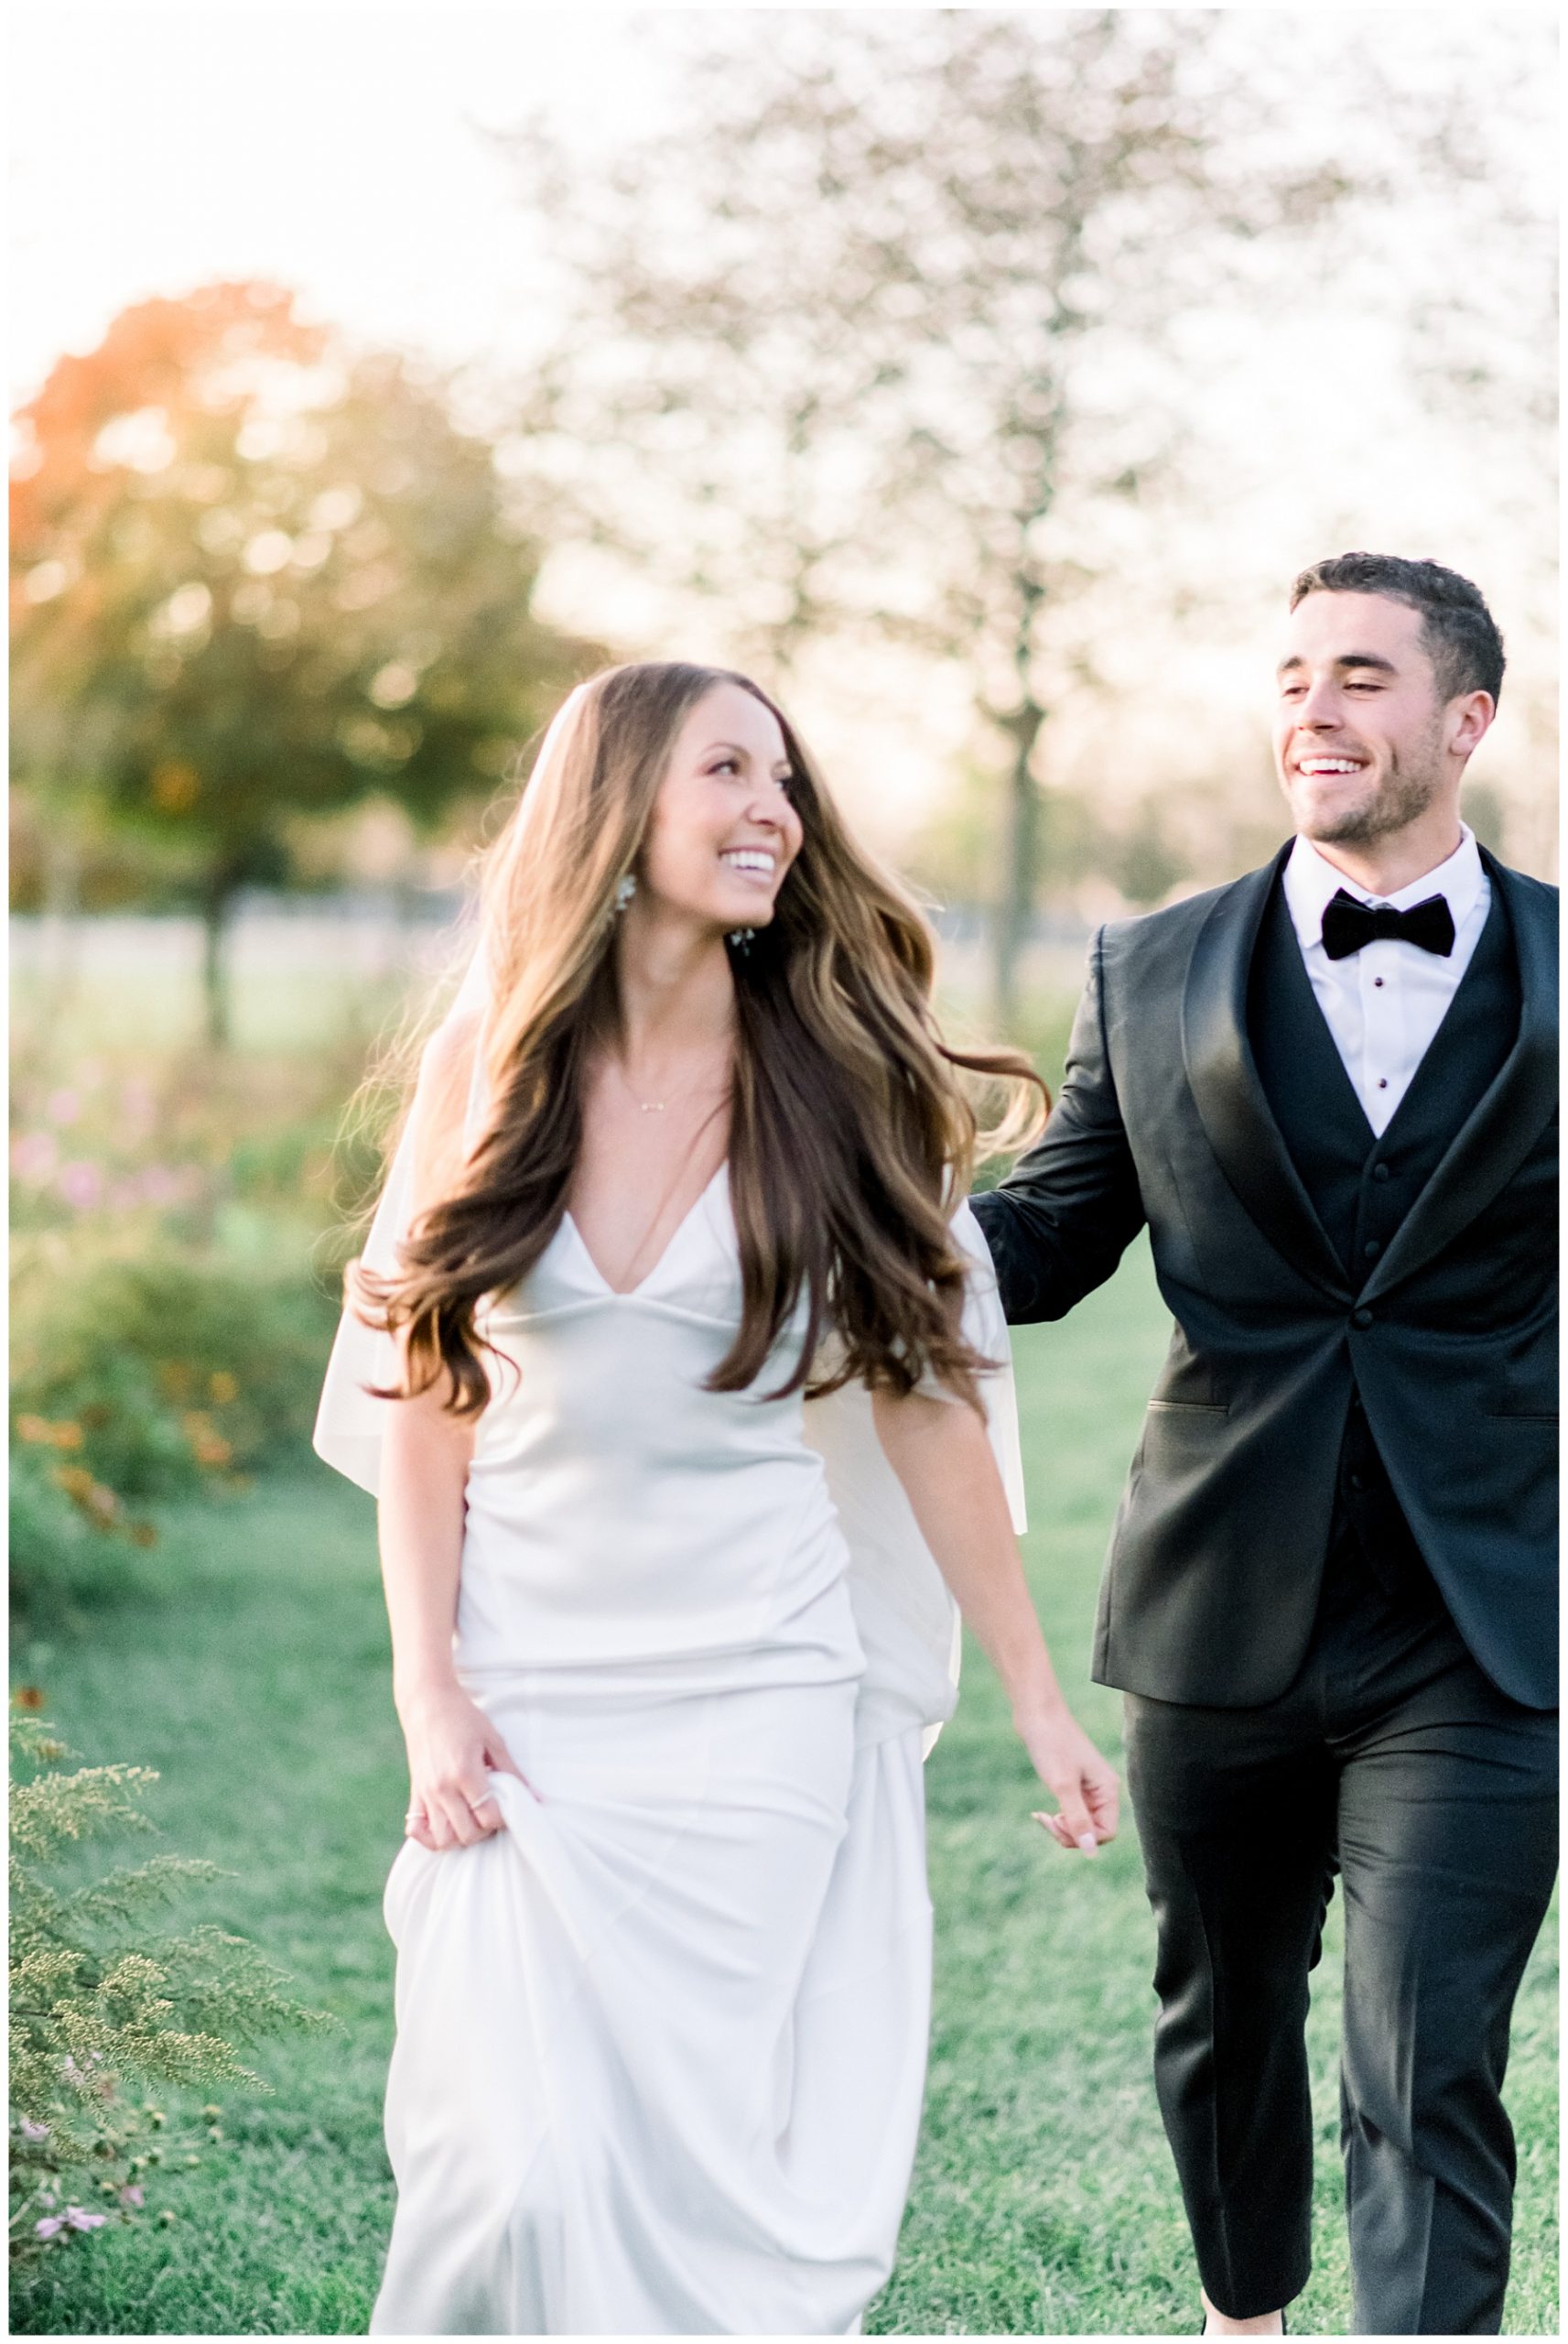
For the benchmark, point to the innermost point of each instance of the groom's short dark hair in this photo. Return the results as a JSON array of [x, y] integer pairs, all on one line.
[[1458, 632]]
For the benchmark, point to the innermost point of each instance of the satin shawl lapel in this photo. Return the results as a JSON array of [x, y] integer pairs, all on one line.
[[1227, 1093], [1511, 1114]]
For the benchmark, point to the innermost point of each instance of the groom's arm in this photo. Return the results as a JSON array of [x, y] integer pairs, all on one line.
[[1066, 1212]]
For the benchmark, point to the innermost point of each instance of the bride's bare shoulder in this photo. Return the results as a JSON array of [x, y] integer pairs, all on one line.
[[440, 1101], [448, 1057]]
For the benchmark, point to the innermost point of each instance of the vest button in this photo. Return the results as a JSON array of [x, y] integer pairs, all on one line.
[[1361, 1317], [1372, 1248], [1380, 1171]]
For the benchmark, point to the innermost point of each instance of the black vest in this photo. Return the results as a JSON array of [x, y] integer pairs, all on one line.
[[1362, 1185]]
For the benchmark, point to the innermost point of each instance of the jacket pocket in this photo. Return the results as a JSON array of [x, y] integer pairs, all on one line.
[[1190, 1408]]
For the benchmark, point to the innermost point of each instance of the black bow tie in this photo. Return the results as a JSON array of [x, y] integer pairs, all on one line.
[[1347, 925]]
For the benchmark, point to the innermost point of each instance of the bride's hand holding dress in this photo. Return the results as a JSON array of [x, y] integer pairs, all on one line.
[[451, 1745], [425, 1455]]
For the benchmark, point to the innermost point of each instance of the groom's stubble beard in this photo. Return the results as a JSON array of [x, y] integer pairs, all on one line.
[[1404, 793]]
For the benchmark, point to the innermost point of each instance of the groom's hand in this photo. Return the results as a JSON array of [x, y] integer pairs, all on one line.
[[1084, 1783]]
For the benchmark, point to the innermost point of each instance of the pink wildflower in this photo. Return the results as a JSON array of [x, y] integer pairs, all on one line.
[[62, 1106], [132, 2194], [31, 2131], [76, 2218], [81, 1184]]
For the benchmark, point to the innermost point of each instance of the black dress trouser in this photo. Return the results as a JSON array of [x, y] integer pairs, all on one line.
[[1392, 1760]]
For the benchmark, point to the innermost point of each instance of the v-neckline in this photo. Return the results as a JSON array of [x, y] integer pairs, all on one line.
[[629, 1293]]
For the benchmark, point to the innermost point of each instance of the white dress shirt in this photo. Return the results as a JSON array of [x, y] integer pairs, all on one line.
[[1384, 1004]]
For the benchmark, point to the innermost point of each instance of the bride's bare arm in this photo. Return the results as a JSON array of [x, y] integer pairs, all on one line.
[[940, 1451], [424, 1470]]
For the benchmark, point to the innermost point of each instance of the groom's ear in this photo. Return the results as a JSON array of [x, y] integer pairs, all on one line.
[[1467, 721]]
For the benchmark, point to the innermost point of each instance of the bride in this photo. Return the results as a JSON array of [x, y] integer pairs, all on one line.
[[666, 1358]]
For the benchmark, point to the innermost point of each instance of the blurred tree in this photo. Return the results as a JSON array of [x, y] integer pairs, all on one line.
[[888, 316], [953, 855], [893, 319], [255, 574]]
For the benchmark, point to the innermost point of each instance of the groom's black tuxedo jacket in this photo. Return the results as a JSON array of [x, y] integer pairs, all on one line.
[[1309, 1266]]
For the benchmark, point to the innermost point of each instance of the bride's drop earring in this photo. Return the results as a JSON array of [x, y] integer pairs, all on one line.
[[625, 888], [741, 937]]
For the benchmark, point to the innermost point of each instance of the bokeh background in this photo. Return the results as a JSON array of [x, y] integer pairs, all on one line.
[[977, 379]]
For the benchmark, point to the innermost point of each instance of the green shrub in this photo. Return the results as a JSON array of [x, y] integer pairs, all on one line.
[[137, 1378], [98, 2003], [59, 1546], [173, 1366]]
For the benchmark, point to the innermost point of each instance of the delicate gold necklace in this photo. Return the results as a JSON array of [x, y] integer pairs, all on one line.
[[660, 1106]]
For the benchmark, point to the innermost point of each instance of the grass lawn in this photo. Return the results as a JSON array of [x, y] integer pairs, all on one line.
[[1044, 2203]]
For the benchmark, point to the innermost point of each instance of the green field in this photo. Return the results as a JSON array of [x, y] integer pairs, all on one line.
[[1043, 2199], [246, 1657]]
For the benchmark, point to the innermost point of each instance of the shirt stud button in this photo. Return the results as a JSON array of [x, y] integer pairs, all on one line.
[[1382, 1082], [1376, 981]]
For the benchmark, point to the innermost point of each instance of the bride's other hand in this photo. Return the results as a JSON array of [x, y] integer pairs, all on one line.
[[940, 1451], [451, 1747], [1083, 1783]]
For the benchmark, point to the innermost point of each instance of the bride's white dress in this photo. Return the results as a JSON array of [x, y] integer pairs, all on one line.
[[661, 2040]]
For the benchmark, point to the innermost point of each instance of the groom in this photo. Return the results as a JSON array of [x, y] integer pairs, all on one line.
[[1329, 1088]]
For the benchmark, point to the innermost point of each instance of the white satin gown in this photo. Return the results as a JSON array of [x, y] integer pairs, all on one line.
[[660, 2039]]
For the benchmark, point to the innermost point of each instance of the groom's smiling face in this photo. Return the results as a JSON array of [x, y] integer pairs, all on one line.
[[1358, 725]]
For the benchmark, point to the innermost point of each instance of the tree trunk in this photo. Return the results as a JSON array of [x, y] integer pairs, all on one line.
[[1021, 879], [216, 905]]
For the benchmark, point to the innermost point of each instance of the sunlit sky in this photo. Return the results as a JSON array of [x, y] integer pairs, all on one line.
[[334, 146]]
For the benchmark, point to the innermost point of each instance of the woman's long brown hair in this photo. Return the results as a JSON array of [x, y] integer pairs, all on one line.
[[851, 1135]]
